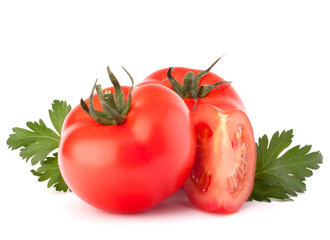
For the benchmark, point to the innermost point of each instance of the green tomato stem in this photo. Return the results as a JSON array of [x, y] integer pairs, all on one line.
[[114, 106]]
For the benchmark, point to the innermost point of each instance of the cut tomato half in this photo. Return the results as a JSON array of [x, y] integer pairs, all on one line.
[[223, 174]]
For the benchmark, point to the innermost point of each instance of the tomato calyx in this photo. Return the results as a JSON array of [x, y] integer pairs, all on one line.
[[114, 106], [190, 87]]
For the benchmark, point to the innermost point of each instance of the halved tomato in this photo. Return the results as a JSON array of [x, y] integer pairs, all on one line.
[[223, 174]]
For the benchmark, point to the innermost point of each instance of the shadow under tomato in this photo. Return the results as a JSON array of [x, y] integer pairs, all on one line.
[[178, 205]]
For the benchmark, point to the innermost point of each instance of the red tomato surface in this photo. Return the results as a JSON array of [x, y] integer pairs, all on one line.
[[223, 174], [134, 166], [225, 97]]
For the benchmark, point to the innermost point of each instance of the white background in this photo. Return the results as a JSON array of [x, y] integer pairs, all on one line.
[[277, 56]]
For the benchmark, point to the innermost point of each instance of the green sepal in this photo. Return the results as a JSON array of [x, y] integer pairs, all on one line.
[[190, 87], [114, 106], [188, 83], [194, 96], [206, 89], [119, 94], [201, 74], [109, 98], [176, 86], [108, 108], [129, 100]]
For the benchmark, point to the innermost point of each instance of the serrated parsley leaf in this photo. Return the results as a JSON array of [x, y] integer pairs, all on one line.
[[58, 113], [265, 192], [49, 170], [35, 143], [39, 141], [280, 173]]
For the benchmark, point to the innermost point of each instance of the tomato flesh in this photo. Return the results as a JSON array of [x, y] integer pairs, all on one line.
[[223, 173]]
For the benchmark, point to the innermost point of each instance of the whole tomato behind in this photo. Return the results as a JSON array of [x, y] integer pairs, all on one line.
[[221, 95], [132, 166]]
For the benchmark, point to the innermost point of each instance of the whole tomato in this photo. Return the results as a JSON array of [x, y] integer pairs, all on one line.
[[217, 91], [223, 174], [132, 166]]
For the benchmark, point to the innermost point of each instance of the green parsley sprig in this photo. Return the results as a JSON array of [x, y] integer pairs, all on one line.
[[281, 175], [39, 141]]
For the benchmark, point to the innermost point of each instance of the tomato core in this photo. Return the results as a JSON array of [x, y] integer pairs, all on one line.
[[235, 181]]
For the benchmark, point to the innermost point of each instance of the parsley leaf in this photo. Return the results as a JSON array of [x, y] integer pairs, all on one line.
[[58, 113], [281, 175], [34, 144], [50, 170], [38, 141]]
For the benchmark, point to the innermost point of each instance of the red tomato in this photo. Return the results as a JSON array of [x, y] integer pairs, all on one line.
[[134, 166], [223, 174], [225, 97]]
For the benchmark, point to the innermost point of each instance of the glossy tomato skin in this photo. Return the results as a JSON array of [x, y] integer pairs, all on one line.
[[134, 166], [225, 97], [223, 174]]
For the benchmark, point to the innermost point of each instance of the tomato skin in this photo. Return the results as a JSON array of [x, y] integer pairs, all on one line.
[[223, 174], [225, 97], [134, 166]]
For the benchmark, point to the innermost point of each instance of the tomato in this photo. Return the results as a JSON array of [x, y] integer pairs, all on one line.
[[134, 166], [225, 97], [223, 174]]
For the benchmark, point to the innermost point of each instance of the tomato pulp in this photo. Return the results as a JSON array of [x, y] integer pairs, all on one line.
[[133, 166], [223, 174]]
